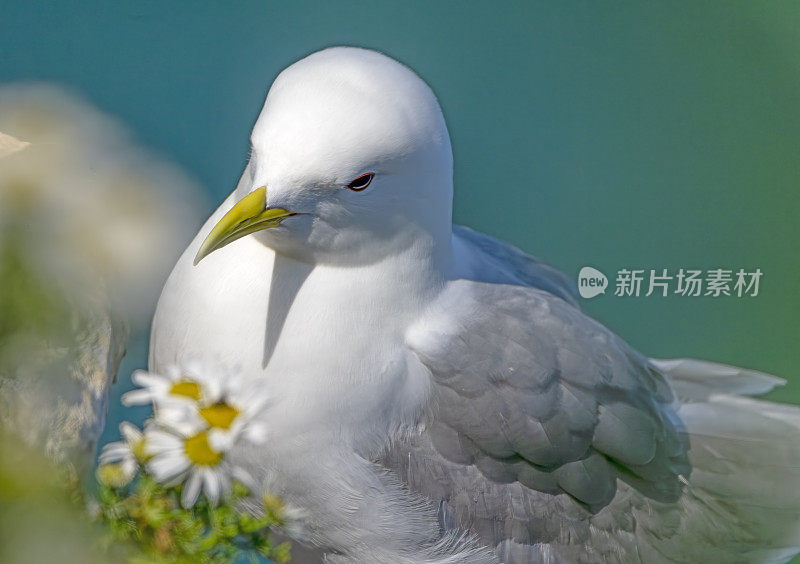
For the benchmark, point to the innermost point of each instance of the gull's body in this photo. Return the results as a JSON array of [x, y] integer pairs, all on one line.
[[431, 381]]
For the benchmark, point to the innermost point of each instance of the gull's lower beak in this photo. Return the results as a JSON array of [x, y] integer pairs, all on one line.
[[250, 214]]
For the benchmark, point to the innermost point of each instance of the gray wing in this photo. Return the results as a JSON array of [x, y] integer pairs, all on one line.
[[539, 411], [554, 441], [483, 258], [529, 389]]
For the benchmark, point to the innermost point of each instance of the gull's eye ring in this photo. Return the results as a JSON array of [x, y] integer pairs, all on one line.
[[361, 183]]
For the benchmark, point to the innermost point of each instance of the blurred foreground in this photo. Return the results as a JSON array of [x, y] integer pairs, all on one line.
[[89, 226]]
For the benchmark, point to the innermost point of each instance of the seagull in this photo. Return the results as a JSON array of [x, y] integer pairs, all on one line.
[[440, 395]]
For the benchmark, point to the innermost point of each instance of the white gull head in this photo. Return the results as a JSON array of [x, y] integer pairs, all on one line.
[[354, 146]]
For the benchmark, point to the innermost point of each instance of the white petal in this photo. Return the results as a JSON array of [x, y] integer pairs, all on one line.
[[173, 373], [177, 480], [157, 441], [129, 468], [220, 440], [183, 426], [256, 432], [194, 369], [175, 412], [211, 485], [137, 397], [149, 427], [147, 379], [191, 490], [130, 432], [168, 468], [113, 452], [172, 400], [245, 478]]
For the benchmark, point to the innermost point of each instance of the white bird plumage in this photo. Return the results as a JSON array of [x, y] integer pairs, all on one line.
[[439, 396]]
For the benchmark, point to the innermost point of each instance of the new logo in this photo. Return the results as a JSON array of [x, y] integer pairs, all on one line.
[[591, 282]]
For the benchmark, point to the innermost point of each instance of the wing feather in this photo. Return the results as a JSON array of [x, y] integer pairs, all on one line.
[[530, 389], [553, 441]]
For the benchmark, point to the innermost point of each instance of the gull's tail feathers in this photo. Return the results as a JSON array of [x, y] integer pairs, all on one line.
[[742, 499], [697, 380]]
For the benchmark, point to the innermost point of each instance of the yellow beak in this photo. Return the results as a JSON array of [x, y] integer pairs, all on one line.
[[248, 215]]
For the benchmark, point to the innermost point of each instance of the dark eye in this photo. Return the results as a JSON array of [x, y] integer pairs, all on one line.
[[361, 182]]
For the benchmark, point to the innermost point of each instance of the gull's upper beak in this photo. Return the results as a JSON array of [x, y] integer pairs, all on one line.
[[248, 215]]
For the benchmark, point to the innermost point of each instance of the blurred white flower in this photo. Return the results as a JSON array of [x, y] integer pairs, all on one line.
[[87, 204], [192, 457], [202, 395], [119, 461], [201, 412], [174, 386], [232, 406], [89, 225]]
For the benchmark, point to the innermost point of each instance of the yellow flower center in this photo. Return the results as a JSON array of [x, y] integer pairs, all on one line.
[[220, 415], [113, 475], [200, 452], [186, 388]]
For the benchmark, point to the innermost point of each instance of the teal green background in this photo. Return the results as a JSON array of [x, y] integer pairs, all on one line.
[[612, 134]]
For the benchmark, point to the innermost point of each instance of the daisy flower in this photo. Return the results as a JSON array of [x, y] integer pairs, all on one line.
[[194, 456], [203, 395], [120, 460], [174, 386], [201, 411]]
